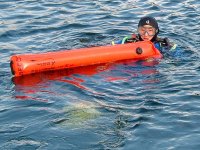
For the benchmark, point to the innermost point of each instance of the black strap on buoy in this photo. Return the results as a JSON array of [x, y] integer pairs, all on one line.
[[139, 50], [11, 66]]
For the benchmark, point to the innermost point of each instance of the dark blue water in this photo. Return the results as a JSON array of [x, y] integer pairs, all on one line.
[[125, 105]]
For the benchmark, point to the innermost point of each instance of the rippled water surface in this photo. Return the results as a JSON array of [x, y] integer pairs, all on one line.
[[125, 105]]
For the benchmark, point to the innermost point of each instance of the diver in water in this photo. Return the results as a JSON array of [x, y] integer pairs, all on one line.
[[148, 30]]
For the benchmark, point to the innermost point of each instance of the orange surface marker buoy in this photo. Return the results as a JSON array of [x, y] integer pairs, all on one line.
[[32, 63]]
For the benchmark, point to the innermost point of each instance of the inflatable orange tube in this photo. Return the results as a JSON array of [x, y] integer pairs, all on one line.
[[32, 63]]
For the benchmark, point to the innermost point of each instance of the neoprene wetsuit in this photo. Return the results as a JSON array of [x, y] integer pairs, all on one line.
[[161, 44]]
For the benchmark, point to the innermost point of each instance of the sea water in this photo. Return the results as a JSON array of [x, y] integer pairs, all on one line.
[[127, 105]]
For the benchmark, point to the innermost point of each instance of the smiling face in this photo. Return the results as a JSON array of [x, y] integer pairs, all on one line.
[[146, 32]]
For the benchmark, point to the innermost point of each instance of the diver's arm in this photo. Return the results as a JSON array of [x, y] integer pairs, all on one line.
[[127, 39], [169, 45]]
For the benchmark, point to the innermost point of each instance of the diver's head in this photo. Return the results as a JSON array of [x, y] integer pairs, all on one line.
[[148, 28]]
